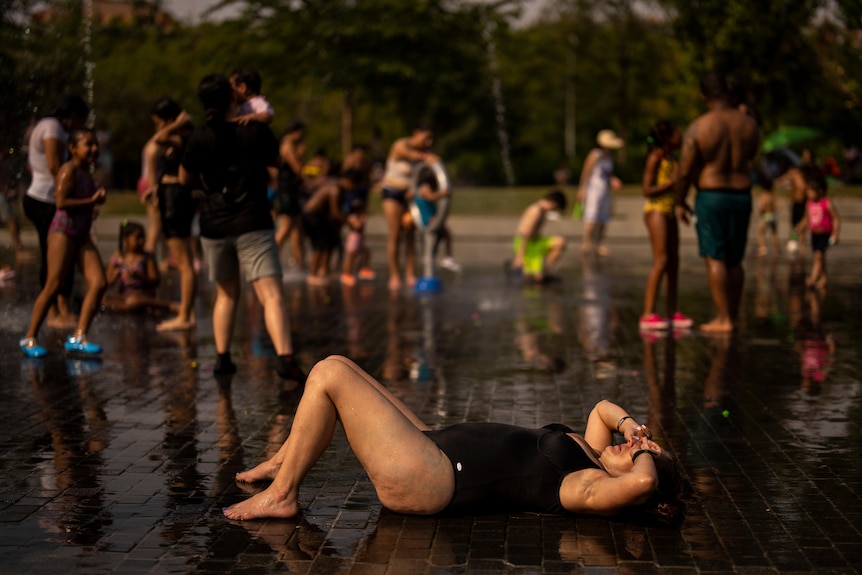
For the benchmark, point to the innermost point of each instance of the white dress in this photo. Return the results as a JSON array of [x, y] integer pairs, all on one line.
[[597, 196]]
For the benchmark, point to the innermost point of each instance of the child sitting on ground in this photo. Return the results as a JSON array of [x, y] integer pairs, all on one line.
[[534, 253], [821, 219], [135, 273]]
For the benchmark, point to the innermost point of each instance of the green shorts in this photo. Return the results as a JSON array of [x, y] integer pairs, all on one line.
[[722, 224], [534, 254]]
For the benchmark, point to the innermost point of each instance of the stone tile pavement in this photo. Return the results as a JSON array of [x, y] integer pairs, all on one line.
[[122, 465]]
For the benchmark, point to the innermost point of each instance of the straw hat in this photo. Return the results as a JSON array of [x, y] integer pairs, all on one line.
[[609, 140]]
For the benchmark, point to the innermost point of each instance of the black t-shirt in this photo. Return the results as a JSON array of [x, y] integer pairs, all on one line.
[[231, 162]]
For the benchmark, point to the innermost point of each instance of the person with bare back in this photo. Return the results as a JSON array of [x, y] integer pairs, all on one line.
[[717, 151]]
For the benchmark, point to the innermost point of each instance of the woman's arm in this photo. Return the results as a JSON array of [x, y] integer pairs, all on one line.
[[167, 134], [152, 152], [402, 151], [53, 155], [595, 492], [608, 417]]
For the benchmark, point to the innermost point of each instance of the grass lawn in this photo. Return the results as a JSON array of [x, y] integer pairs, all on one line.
[[466, 200]]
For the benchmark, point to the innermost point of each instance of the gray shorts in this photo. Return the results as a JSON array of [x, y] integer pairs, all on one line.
[[255, 251]]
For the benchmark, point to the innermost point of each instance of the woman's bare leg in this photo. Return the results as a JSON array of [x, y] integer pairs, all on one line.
[[409, 472], [181, 254], [154, 225]]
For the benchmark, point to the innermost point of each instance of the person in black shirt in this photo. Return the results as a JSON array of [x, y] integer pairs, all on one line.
[[230, 162]]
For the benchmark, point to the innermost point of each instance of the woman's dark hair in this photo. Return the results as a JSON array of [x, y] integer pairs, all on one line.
[[215, 95], [166, 109], [660, 134], [71, 106], [127, 228], [665, 508], [248, 76]]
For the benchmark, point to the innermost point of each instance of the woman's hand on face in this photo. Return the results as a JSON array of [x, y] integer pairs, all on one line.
[[635, 433]]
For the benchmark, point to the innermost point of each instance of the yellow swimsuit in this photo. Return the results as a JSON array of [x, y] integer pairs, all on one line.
[[663, 203]]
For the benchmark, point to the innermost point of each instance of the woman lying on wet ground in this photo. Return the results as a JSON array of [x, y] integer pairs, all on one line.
[[466, 468]]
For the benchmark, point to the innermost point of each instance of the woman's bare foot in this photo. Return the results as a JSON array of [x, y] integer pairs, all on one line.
[[316, 281], [265, 504], [175, 324], [717, 326], [410, 281], [603, 251], [394, 283], [266, 471]]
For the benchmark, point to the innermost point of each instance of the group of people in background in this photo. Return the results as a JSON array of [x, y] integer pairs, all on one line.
[[227, 187], [717, 158]]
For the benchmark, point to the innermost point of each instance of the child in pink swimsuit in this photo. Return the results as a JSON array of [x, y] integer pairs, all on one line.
[[135, 273], [69, 242]]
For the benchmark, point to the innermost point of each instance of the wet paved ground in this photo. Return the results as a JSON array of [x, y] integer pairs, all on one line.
[[123, 465]]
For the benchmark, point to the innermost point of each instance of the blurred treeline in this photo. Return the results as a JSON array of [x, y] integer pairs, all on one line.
[[367, 71]]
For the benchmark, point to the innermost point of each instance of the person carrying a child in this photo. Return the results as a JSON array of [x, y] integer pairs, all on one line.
[[659, 178], [822, 221], [69, 242], [134, 272]]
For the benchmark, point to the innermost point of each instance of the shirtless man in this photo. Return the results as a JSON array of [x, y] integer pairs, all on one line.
[[535, 253], [798, 198], [717, 150]]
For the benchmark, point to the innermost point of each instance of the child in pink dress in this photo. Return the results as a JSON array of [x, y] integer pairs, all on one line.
[[822, 220]]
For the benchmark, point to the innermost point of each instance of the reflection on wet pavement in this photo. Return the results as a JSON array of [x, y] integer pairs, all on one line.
[[122, 464]]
